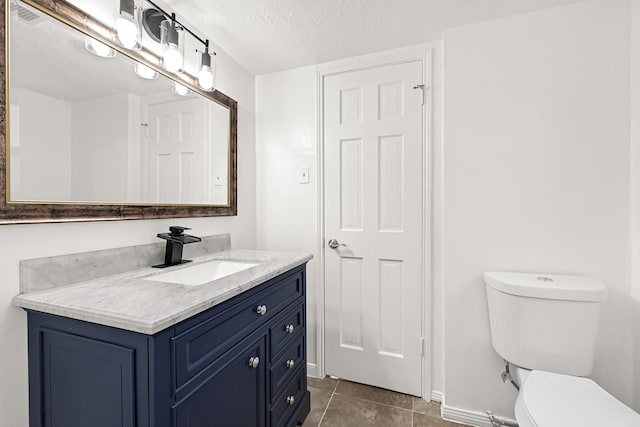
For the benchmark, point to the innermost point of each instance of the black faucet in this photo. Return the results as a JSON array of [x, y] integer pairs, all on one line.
[[175, 241]]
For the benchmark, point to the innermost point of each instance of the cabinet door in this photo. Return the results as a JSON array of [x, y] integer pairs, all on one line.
[[235, 393], [87, 382]]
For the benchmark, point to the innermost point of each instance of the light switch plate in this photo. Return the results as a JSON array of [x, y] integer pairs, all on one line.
[[220, 179], [303, 175]]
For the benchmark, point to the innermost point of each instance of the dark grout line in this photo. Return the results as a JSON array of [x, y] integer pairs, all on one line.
[[373, 401]]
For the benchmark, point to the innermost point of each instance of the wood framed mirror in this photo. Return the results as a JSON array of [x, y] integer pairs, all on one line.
[[85, 139]]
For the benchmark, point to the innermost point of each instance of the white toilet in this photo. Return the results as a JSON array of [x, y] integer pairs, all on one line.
[[544, 326]]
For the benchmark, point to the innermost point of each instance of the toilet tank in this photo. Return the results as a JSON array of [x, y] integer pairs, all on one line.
[[546, 322]]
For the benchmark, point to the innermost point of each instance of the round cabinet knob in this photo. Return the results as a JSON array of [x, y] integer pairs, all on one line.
[[289, 329], [261, 310], [254, 362], [290, 364], [291, 400]]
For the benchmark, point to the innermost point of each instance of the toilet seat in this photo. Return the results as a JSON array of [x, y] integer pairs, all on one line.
[[554, 400]]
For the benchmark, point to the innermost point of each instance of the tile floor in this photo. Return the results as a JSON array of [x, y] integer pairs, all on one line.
[[340, 403]]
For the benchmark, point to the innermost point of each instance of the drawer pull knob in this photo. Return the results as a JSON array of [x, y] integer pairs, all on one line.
[[254, 362], [261, 310], [290, 364], [291, 400], [289, 329]]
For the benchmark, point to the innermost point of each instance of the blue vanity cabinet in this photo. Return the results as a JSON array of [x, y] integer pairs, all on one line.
[[240, 363]]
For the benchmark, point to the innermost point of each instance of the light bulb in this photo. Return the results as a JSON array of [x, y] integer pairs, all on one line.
[[179, 89], [127, 32], [145, 72], [98, 48], [172, 59], [205, 78]]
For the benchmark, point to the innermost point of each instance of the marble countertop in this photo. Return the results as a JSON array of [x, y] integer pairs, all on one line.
[[128, 301]]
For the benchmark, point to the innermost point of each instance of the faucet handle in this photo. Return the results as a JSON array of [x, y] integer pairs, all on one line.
[[177, 230]]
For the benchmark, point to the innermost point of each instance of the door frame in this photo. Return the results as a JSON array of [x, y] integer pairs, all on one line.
[[424, 54]]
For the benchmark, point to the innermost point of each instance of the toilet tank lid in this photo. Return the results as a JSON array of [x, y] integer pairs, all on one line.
[[548, 286]]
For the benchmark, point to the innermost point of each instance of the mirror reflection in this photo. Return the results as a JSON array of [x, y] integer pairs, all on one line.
[[87, 124]]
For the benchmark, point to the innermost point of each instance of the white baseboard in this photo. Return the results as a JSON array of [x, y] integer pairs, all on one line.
[[464, 416], [312, 370], [436, 396]]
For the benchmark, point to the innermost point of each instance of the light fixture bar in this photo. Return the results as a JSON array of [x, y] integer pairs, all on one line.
[[172, 16]]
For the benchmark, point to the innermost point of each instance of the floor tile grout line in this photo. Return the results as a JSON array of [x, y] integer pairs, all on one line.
[[326, 408], [373, 401]]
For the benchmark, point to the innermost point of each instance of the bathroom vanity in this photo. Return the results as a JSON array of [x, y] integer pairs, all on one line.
[[140, 349]]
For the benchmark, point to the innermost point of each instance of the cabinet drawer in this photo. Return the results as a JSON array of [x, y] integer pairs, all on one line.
[[285, 404], [287, 365], [199, 346], [283, 330]]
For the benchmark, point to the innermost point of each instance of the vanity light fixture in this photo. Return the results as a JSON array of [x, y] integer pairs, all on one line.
[[180, 90], [98, 48], [127, 28], [206, 75], [145, 72], [170, 34], [172, 59]]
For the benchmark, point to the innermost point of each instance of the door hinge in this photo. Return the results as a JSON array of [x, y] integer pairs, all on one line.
[[421, 87], [422, 346]]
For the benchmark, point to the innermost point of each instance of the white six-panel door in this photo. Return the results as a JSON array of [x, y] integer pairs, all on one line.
[[373, 209], [177, 147]]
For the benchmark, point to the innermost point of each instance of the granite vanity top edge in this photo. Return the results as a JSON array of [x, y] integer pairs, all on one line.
[[152, 324]]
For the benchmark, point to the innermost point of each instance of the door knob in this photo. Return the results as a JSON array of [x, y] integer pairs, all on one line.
[[334, 244]]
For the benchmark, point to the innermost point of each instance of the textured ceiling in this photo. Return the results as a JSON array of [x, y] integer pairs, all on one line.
[[273, 35]]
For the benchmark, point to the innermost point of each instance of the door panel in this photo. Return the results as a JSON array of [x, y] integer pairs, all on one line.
[[373, 205]]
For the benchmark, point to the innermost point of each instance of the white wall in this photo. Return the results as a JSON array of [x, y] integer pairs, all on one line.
[[39, 240], [635, 147], [286, 140], [635, 188], [100, 147], [44, 151], [536, 179]]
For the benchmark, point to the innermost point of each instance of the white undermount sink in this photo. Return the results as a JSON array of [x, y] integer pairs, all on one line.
[[200, 274]]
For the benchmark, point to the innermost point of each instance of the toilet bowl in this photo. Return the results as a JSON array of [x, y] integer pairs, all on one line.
[[544, 326], [548, 399]]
